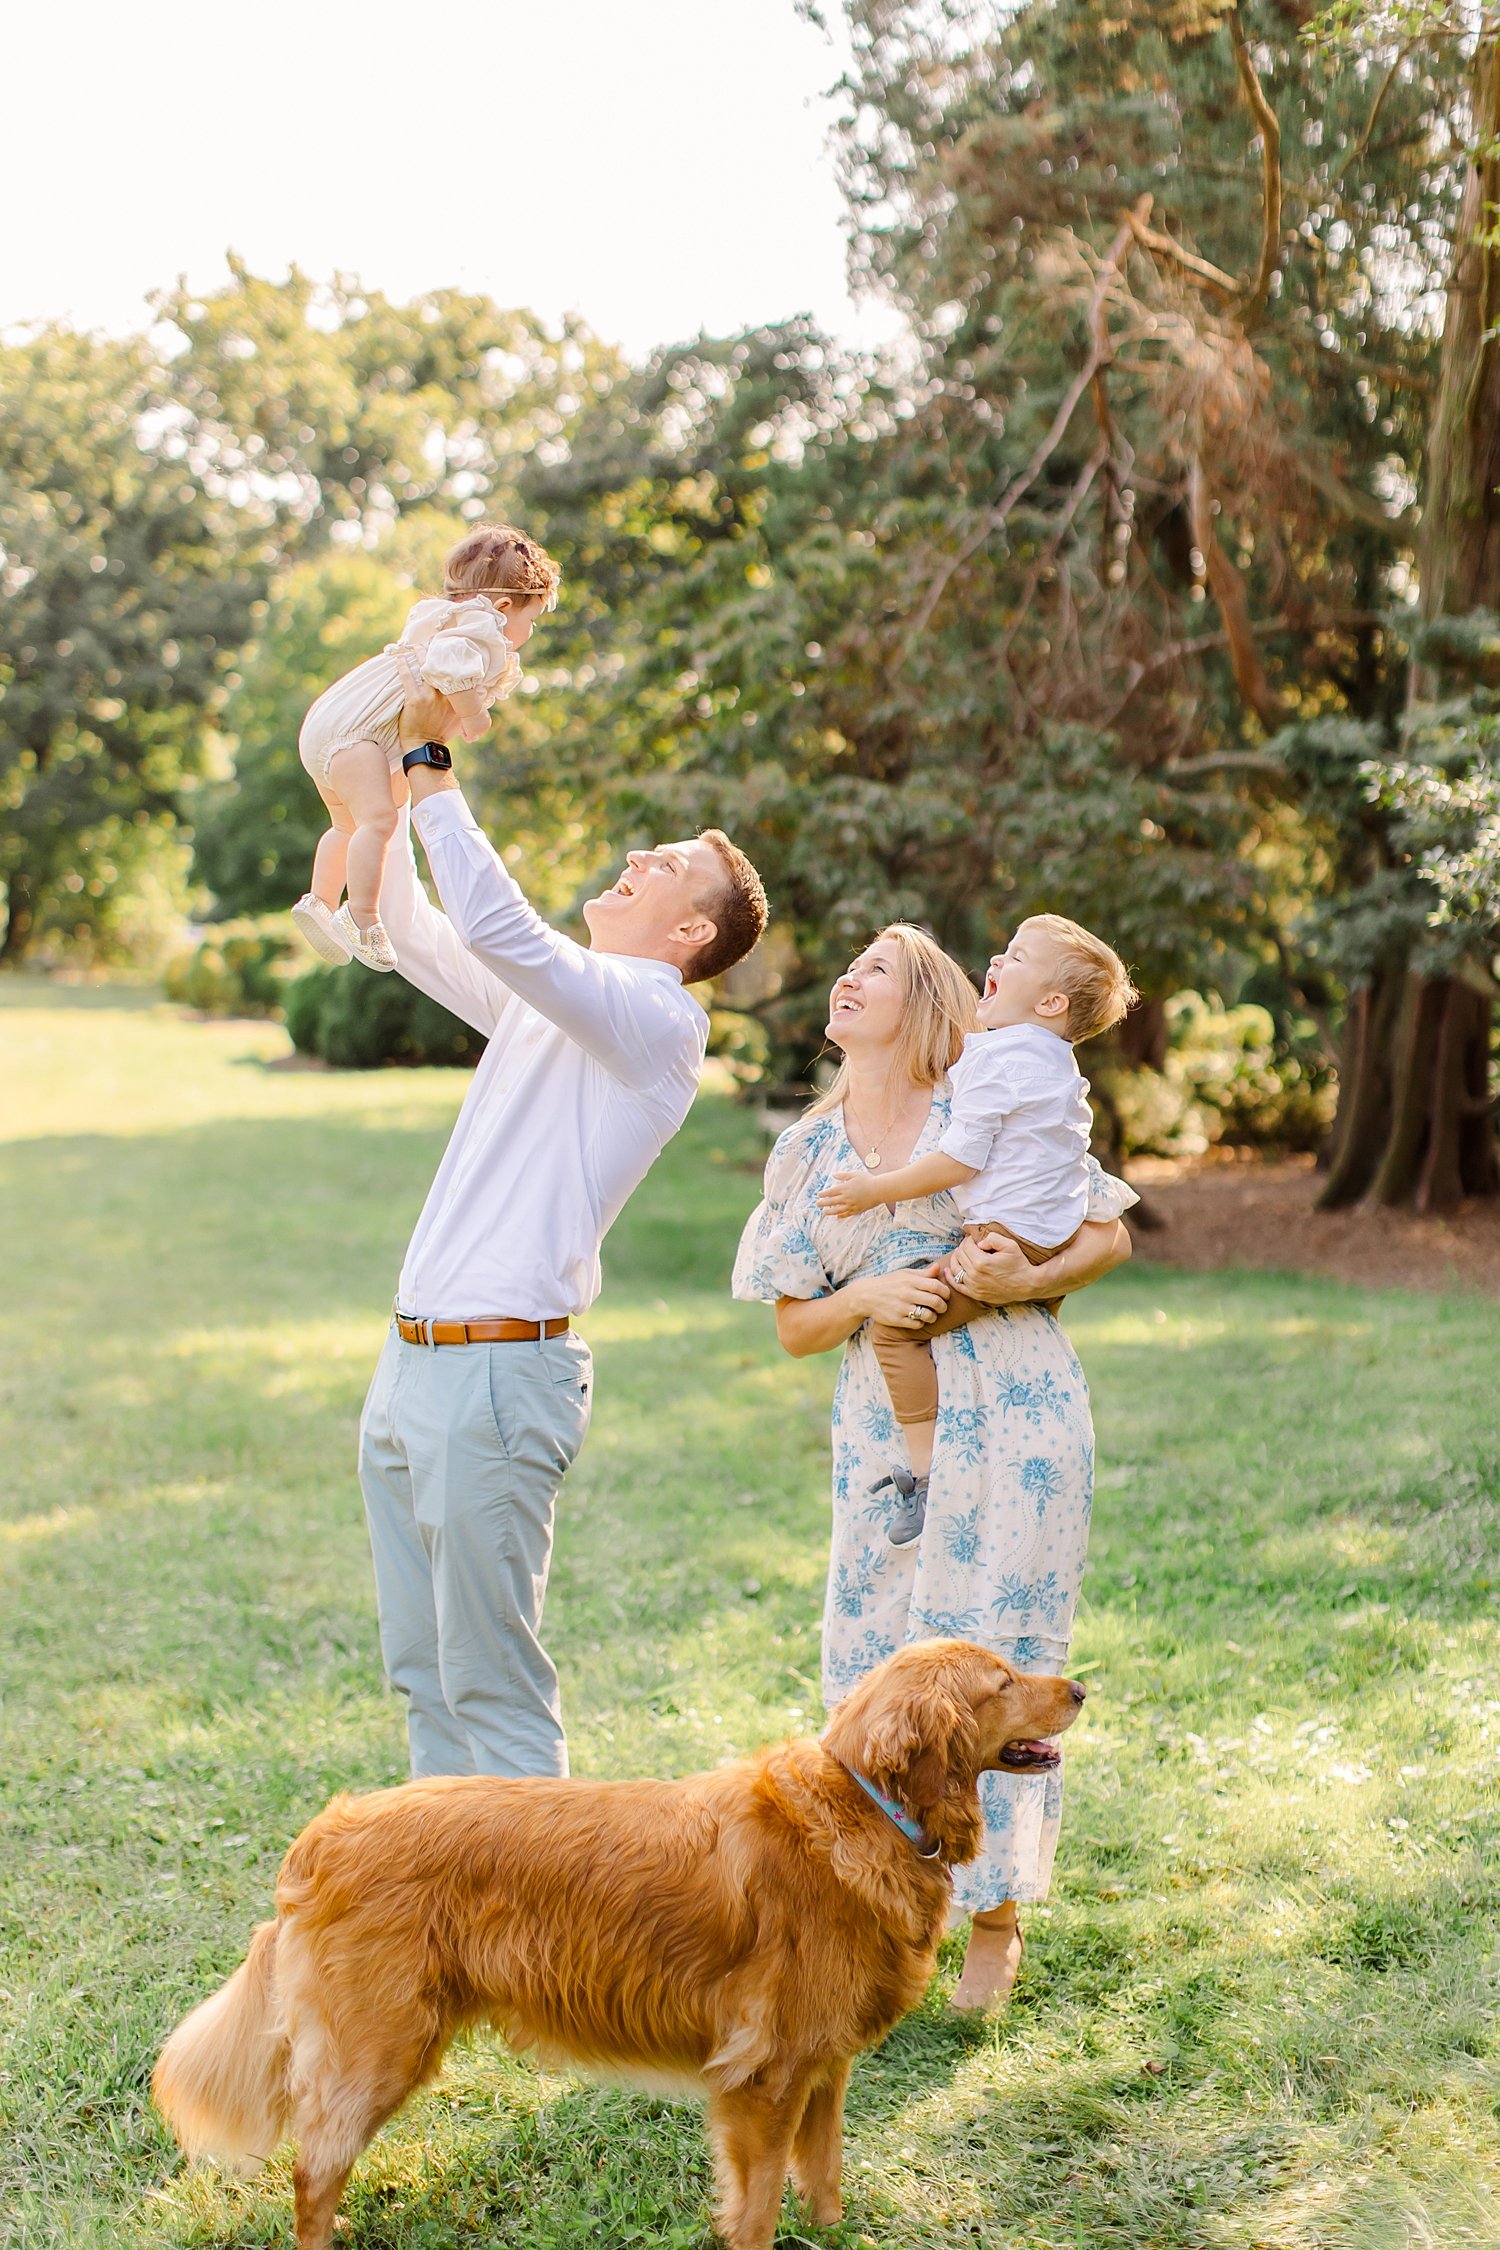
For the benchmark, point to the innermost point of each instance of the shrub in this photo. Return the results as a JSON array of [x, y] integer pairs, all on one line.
[[237, 969], [357, 1021], [1227, 1079]]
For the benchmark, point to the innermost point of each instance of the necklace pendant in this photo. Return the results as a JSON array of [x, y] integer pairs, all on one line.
[[872, 1161]]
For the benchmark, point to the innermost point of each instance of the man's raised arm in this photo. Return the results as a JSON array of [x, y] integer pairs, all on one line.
[[634, 1028], [429, 951]]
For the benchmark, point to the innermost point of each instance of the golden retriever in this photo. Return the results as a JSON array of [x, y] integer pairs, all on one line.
[[741, 1934]]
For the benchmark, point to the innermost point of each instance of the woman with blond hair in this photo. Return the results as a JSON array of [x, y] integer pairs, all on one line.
[[1001, 1554]]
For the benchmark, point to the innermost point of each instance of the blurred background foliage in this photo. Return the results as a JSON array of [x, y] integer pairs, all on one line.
[[1151, 578]]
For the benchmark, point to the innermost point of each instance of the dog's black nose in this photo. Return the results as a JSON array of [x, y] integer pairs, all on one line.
[[1077, 1690]]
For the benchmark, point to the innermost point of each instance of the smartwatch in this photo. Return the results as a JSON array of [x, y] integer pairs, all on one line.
[[434, 754]]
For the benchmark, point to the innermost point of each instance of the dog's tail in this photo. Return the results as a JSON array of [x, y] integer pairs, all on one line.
[[221, 2079]]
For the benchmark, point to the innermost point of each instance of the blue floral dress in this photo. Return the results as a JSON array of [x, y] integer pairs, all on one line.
[[1001, 1555]]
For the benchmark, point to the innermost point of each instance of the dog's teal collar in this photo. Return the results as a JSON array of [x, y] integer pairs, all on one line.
[[912, 1830]]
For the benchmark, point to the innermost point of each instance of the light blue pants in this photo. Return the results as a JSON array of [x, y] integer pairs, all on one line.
[[461, 1453]]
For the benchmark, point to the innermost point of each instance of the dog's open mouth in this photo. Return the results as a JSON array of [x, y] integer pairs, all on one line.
[[1030, 1757]]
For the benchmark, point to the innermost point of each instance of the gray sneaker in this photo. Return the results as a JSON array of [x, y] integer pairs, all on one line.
[[911, 1493]]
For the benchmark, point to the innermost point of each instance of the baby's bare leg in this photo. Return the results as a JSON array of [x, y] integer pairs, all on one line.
[[360, 776], [333, 850]]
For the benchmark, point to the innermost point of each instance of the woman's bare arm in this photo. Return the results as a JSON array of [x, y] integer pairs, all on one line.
[[806, 1325], [998, 1272]]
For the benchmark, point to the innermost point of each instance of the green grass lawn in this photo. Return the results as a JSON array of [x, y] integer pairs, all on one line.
[[1261, 2007]]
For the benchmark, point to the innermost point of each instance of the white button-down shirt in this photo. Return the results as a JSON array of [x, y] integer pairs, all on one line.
[[592, 1064], [1021, 1117]]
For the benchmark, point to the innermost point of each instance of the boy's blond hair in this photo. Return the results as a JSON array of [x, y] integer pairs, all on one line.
[[495, 558], [1094, 978]]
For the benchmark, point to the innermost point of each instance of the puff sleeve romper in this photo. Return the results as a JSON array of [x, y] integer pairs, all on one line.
[[458, 645]]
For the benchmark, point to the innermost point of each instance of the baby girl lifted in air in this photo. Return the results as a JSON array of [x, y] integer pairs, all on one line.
[[496, 584], [1015, 1150]]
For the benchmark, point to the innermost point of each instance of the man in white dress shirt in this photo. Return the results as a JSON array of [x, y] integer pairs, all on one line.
[[481, 1398]]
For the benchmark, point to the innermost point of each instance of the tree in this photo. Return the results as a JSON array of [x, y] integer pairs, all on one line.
[[128, 590], [1247, 230], [1416, 1118], [950, 631], [736, 516], [325, 411]]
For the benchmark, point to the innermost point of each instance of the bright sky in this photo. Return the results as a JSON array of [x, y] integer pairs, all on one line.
[[655, 165]]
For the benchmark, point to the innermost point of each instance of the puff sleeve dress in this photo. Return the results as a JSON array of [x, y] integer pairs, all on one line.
[[1002, 1552]]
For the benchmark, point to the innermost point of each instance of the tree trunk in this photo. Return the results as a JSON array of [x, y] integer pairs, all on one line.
[[1415, 1123], [20, 919], [1461, 506], [1363, 1119], [1409, 1128], [1142, 1037]]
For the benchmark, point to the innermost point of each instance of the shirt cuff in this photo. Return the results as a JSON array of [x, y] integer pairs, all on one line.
[[968, 1145], [442, 815]]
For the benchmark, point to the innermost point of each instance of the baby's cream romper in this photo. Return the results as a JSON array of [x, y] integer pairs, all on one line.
[[457, 645]]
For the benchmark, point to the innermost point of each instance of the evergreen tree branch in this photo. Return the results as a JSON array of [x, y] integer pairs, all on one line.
[[1358, 146], [1163, 246], [1228, 589], [1098, 358], [1348, 500]]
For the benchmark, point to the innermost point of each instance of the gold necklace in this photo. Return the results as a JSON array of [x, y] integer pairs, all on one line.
[[871, 1162]]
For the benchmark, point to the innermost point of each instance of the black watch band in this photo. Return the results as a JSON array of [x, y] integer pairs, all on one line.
[[434, 754]]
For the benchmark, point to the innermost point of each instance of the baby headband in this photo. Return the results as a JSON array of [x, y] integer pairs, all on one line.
[[471, 593]]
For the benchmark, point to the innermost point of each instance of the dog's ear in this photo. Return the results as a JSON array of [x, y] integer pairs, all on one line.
[[917, 1740]]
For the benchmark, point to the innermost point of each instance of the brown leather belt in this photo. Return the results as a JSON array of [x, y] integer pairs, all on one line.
[[431, 1333]]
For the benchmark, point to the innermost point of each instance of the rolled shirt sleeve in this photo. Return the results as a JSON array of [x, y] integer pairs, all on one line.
[[987, 1086]]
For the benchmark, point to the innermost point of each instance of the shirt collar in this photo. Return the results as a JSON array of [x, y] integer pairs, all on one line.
[[1035, 1030]]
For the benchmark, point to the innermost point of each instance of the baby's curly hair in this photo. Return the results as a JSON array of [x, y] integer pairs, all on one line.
[[495, 558]]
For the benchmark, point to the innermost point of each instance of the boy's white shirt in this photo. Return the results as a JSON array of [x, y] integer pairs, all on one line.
[[1021, 1117]]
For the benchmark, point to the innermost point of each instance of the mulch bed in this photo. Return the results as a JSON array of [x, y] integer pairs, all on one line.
[[1220, 1211]]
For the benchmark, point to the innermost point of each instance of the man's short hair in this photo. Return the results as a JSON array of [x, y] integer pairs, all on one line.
[[739, 909]]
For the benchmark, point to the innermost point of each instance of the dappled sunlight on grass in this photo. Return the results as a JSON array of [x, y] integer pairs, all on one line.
[[1259, 2011]]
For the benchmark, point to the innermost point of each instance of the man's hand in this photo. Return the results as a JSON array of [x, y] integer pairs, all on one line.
[[851, 1193], [426, 716]]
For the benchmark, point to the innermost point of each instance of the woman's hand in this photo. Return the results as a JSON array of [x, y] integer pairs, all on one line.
[[851, 1193], [996, 1272], [905, 1300], [805, 1325]]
